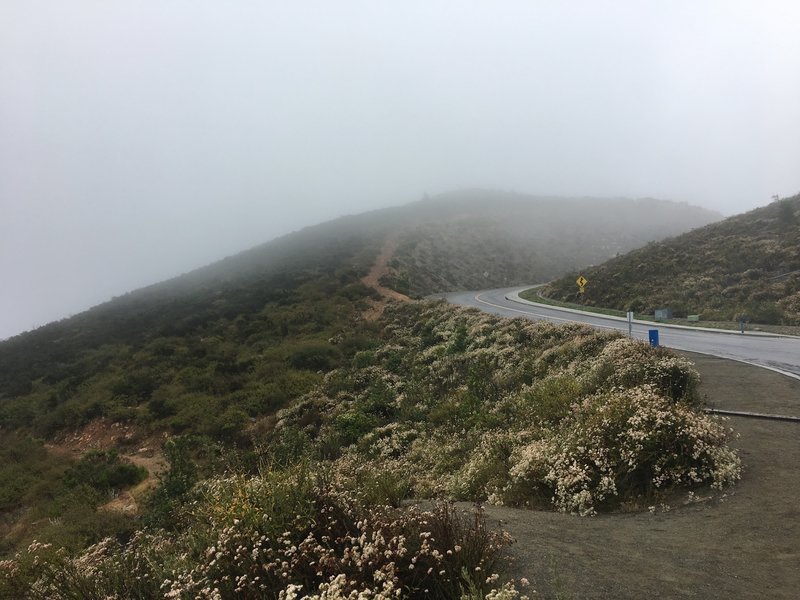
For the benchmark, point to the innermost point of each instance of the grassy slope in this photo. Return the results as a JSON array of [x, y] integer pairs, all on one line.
[[201, 355], [212, 334], [747, 264]]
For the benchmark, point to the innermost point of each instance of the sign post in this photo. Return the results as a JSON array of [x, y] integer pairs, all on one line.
[[581, 281], [630, 323]]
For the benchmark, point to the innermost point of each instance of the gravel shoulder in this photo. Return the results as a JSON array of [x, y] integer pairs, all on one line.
[[745, 544]]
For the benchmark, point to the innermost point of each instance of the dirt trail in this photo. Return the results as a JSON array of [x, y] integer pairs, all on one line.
[[744, 545], [128, 500], [103, 435], [372, 279]]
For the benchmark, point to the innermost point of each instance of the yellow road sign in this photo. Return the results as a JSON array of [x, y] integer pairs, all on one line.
[[581, 281]]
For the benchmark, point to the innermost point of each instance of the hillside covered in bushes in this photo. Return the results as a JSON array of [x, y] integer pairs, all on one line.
[[175, 419], [447, 404], [747, 265], [480, 239], [207, 352], [452, 241]]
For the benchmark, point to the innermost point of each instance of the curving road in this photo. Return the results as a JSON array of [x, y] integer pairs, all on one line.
[[778, 353]]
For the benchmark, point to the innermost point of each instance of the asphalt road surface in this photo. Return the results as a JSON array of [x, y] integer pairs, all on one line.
[[779, 353]]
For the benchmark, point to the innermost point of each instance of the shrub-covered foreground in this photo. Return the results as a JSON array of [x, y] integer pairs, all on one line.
[[453, 404], [463, 404], [284, 534]]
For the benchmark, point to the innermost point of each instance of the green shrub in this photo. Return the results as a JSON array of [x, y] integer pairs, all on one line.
[[363, 359], [382, 486], [314, 356], [289, 445], [547, 402], [230, 424], [28, 472], [176, 483], [104, 471], [352, 425], [458, 342]]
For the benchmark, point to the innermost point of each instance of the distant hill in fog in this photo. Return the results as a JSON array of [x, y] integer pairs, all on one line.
[[460, 240], [748, 264], [478, 239]]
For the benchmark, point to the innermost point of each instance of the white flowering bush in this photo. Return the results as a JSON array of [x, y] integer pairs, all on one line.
[[456, 404], [624, 363], [107, 570], [622, 443], [467, 405], [280, 534]]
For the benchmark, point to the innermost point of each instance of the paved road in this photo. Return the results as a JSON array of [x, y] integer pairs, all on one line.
[[781, 354]]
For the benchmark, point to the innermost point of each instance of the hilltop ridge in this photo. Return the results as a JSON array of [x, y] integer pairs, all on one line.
[[458, 240]]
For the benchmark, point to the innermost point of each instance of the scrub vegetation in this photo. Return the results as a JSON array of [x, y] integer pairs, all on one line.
[[463, 405], [313, 452], [745, 266], [199, 357], [475, 240], [448, 404]]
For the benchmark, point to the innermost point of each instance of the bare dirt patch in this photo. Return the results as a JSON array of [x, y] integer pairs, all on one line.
[[128, 501], [97, 435], [104, 435], [372, 279], [743, 545]]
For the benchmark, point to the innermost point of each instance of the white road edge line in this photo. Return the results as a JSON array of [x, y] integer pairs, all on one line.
[[516, 298], [478, 299], [527, 312]]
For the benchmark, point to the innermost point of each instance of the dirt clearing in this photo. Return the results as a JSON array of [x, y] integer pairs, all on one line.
[[743, 545], [101, 434], [372, 279]]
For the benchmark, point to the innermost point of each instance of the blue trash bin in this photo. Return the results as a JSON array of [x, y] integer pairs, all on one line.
[[653, 333]]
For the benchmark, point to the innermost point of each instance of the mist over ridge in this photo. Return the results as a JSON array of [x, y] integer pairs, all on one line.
[[744, 267], [141, 141], [260, 333], [455, 240]]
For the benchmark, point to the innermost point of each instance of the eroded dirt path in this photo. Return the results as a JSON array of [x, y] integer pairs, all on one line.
[[741, 546], [372, 279], [128, 501], [102, 435]]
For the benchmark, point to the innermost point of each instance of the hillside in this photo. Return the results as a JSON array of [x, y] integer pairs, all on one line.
[[216, 330], [448, 403], [459, 240], [211, 356], [479, 239], [200, 356], [747, 265]]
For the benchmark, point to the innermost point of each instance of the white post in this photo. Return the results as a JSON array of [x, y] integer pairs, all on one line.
[[630, 323]]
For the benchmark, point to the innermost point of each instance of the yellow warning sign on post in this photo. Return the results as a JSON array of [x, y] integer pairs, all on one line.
[[581, 281]]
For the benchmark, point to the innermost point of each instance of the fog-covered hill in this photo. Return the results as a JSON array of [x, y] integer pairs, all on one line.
[[748, 264], [479, 239], [459, 240], [211, 356]]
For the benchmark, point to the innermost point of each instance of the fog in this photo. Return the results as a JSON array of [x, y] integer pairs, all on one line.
[[141, 139]]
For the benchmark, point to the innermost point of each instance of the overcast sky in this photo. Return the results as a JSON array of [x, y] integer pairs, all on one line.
[[142, 138]]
